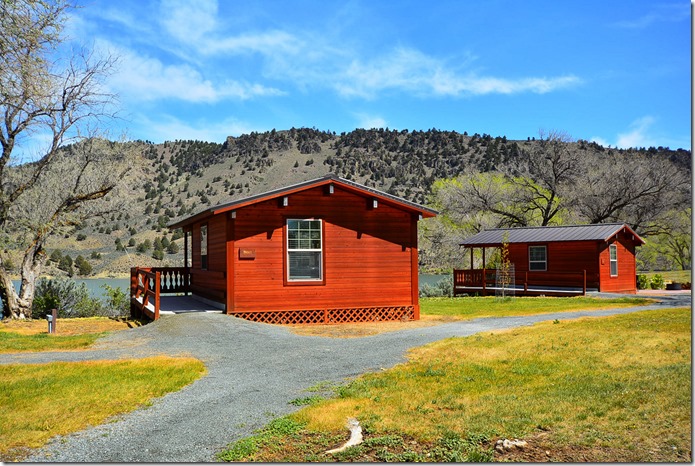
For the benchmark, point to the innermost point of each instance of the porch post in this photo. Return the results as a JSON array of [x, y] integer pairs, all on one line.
[[230, 260], [185, 248]]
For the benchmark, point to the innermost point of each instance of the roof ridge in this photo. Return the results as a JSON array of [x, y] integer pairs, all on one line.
[[556, 226]]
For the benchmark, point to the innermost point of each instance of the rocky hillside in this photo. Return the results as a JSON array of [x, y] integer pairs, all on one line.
[[179, 178]]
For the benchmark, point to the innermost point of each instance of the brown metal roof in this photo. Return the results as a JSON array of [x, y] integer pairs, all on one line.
[[328, 179], [594, 232]]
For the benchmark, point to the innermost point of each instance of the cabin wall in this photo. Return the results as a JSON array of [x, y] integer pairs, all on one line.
[[210, 283], [367, 254], [563, 257], [626, 280]]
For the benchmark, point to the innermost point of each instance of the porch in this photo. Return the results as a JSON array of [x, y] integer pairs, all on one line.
[[483, 282], [164, 290]]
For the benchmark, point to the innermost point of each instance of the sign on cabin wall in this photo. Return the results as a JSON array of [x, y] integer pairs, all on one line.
[[246, 253]]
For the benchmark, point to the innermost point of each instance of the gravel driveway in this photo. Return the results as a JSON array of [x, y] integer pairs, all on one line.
[[254, 370]]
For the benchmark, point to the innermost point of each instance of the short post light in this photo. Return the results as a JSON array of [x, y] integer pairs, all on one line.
[[52, 318]]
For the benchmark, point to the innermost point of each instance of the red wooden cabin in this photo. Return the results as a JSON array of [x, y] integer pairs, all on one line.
[[562, 260], [323, 251]]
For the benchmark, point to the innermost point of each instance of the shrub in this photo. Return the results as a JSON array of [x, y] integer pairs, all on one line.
[[657, 282], [117, 302], [444, 287], [63, 294], [642, 282]]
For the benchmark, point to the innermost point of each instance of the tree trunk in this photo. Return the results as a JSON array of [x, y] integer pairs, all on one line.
[[18, 305]]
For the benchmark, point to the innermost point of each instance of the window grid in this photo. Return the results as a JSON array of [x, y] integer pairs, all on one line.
[[613, 249], [537, 258], [304, 250]]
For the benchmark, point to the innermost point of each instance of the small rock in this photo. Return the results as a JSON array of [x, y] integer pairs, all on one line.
[[503, 445]]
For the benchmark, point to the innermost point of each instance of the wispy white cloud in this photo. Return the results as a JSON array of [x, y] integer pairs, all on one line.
[[188, 21], [147, 78], [642, 133], [638, 135], [367, 121], [412, 71], [168, 128], [661, 13]]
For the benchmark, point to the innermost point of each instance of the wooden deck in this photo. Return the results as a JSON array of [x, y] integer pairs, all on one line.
[[482, 282], [149, 288]]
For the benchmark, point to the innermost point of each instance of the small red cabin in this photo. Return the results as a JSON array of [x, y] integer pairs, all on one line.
[[324, 251], [557, 260]]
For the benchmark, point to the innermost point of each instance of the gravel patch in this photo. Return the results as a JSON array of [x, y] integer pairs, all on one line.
[[254, 371]]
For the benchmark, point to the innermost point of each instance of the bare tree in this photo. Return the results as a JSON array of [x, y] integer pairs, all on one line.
[[48, 93], [544, 174], [627, 187]]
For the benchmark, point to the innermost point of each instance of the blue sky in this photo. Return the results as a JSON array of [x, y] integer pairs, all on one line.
[[617, 72]]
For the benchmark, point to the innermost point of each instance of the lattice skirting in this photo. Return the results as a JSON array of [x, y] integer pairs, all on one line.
[[331, 316]]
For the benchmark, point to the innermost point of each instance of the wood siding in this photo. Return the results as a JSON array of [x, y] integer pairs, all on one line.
[[369, 255], [211, 283], [626, 280], [575, 256], [562, 257]]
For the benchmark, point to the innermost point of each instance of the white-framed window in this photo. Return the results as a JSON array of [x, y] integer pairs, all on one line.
[[613, 249], [204, 247], [304, 250], [537, 258]]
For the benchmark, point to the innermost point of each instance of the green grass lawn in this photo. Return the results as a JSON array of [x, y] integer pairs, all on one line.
[[672, 276], [608, 389], [474, 307], [14, 342], [72, 334]]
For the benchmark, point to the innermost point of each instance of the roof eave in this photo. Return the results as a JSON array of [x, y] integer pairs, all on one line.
[[326, 180]]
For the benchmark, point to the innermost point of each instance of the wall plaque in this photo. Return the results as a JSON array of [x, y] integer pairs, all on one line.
[[246, 253]]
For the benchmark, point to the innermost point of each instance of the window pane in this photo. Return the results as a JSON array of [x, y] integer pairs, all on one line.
[[537, 253], [537, 258], [305, 265], [204, 240], [304, 249]]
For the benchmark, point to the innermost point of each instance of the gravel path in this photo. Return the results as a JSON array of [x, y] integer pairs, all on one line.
[[254, 370]]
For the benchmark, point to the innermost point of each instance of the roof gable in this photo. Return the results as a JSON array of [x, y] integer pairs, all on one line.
[[594, 232], [348, 185]]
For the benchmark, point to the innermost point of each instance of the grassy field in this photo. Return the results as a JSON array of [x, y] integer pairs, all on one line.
[[595, 389], [72, 334], [487, 306], [434, 311], [672, 276], [40, 401]]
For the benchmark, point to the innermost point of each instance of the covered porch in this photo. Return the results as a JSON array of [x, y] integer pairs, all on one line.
[[484, 281], [159, 291]]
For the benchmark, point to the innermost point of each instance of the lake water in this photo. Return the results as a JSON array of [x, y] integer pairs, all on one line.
[[94, 284]]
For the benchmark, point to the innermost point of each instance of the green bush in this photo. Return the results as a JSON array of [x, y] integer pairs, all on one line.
[[117, 302], [657, 282], [642, 282], [444, 287], [63, 294]]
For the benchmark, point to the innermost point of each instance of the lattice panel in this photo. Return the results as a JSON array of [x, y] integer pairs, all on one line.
[[331, 316]]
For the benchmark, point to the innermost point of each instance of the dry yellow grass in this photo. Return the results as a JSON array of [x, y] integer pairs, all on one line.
[[43, 400], [617, 387], [76, 326]]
